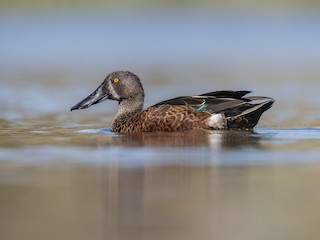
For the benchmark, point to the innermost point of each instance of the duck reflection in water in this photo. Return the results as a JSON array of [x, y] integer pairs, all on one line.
[[195, 138]]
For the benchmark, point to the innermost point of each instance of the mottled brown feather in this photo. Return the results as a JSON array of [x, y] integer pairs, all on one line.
[[164, 118]]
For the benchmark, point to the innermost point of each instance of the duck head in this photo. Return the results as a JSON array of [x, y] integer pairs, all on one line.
[[121, 86]]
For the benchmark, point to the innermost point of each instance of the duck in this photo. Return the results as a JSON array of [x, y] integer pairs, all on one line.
[[218, 110]]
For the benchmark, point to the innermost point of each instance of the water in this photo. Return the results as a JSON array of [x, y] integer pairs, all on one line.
[[64, 175]]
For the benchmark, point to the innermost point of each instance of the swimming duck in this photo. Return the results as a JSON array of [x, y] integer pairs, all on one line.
[[219, 110]]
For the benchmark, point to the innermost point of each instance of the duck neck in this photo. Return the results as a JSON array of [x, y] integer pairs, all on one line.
[[128, 108]]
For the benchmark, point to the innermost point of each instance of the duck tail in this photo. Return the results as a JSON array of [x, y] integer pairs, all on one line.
[[250, 116]]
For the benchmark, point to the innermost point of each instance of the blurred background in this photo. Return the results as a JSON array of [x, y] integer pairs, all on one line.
[[57, 52], [66, 176]]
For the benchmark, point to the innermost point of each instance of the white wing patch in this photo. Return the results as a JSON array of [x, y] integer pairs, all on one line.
[[216, 121]]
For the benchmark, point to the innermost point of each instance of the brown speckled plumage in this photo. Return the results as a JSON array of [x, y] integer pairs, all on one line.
[[215, 110], [162, 118]]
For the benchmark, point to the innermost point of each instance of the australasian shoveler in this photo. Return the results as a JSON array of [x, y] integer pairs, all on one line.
[[220, 110]]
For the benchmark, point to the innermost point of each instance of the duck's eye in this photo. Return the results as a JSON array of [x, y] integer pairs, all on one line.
[[115, 80]]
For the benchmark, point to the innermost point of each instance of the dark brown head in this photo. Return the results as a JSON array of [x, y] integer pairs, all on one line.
[[119, 86]]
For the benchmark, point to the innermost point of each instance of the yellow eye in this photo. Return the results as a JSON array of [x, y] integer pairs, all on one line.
[[116, 80]]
